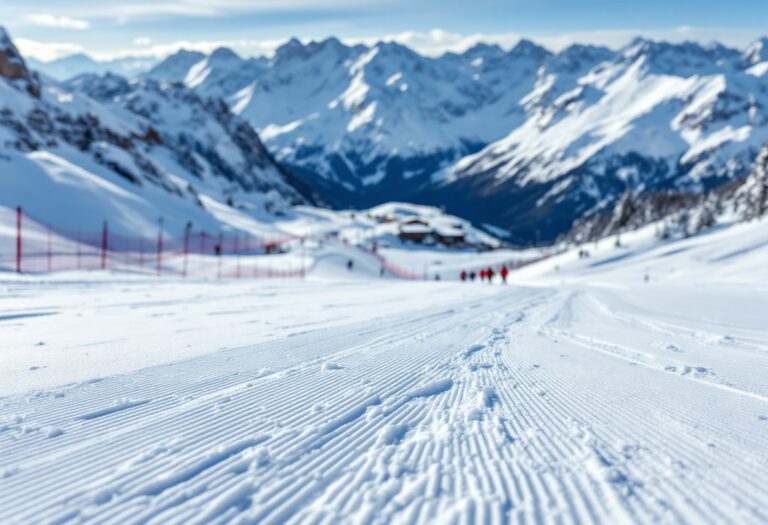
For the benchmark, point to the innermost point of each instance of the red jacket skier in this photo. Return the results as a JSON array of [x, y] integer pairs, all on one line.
[[463, 275], [504, 272]]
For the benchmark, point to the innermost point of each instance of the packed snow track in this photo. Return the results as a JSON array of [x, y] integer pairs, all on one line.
[[465, 403]]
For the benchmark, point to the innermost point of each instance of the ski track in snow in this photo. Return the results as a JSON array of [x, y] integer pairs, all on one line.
[[530, 405]]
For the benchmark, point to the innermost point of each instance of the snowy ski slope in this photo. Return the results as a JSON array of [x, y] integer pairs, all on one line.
[[579, 394]]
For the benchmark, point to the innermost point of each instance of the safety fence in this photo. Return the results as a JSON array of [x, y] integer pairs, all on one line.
[[394, 269], [30, 245]]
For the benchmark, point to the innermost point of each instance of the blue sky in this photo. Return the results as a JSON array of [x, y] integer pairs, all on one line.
[[49, 28]]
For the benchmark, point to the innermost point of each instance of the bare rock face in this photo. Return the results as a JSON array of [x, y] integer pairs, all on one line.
[[13, 68]]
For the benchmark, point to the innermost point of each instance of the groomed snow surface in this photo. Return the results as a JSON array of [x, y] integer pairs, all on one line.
[[580, 393]]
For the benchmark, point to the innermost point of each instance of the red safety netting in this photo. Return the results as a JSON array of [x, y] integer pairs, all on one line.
[[29, 245]]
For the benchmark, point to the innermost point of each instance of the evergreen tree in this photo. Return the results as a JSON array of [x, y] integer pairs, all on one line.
[[755, 189]]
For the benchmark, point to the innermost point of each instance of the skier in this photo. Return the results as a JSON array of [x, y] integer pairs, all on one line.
[[489, 273], [463, 276], [472, 276], [350, 264], [482, 275], [504, 272]]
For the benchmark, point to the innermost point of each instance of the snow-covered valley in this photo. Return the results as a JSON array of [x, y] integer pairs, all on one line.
[[624, 387]]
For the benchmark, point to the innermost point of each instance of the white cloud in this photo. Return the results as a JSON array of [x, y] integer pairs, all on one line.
[[46, 51], [246, 48], [438, 41], [62, 22], [136, 10], [432, 43], [738, 38]]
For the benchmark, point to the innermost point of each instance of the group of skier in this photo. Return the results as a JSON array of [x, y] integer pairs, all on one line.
[[486, 274]]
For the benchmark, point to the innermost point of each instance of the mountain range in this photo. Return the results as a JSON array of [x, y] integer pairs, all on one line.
[[132, 153], [523, 141], [70, 66]]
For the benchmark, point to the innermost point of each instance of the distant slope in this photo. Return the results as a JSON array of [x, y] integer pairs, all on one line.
[[731, 254]]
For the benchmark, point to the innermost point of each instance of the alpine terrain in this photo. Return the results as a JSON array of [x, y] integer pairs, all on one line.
[[354, 284], [525, 140], [164, 151]]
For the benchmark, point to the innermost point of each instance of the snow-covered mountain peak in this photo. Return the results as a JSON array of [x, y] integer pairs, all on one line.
[[578, 57], [175, 67], [396, 49], [638, 46], [330, 44], [527, 48], [224, 54], [680, 59], [222, 72], [483, 51], [313, 55], [291, 50], [756, 52]]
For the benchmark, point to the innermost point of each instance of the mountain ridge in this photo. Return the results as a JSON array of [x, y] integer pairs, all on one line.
[[524, 139], [105, 148]]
